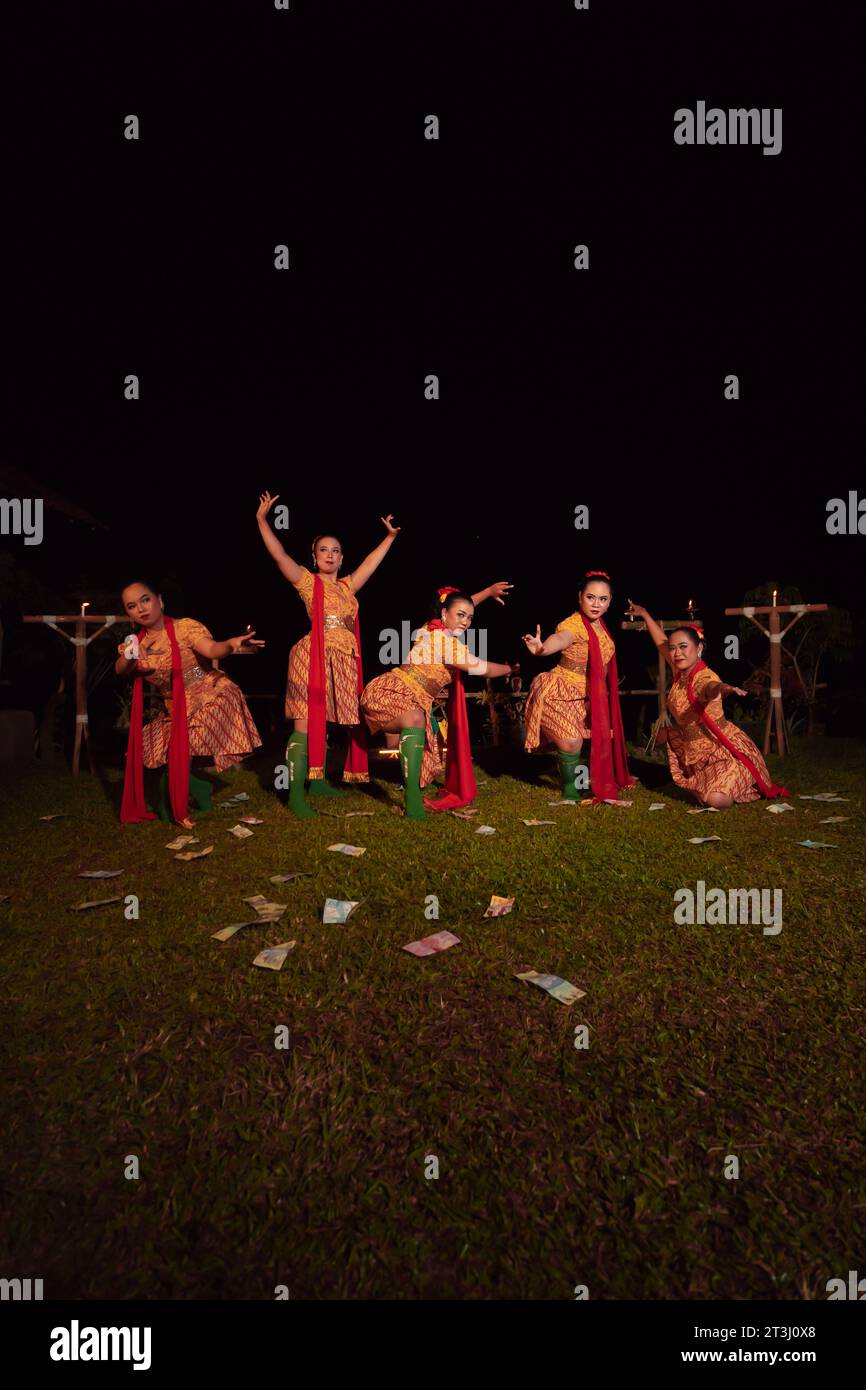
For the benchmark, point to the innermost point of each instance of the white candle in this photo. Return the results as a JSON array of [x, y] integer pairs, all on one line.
[[775, 591], [83, 606]]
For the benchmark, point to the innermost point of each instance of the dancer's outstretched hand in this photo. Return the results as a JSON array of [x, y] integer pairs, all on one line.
[[726, 690], [635, 610], [266, 501], [534, 643], [498, 590], [386, 522], [246, 641]]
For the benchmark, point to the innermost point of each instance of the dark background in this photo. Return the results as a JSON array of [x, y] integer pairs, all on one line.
[[411, 256]]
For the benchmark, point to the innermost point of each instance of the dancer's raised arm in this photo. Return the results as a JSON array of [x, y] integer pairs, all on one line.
[[658, 634], [375, 558], [556, 642], [288, 567], [493, 591]]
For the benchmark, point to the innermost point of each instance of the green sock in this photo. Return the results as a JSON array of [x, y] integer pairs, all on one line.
[[296, 757], [201, 793], [411, 752], [320, 786], [163, 804], [568, 766]]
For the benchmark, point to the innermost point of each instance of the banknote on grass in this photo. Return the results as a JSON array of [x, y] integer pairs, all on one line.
[[560, 989], [272, 957], [337, 910], [97, 902], [181, 842], [432, 945], [499, 907], [354, 850], [189, 854]]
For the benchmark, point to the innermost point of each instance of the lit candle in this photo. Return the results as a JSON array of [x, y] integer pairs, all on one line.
[[775, 591], [691, 609], [83, 606]]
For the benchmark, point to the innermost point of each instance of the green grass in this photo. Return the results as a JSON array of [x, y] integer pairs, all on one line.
[[305, 1167]]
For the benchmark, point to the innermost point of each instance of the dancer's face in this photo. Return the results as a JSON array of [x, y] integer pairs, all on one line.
[[458, 618], [142, 606], [685, 652], [595, 599], [328, 555]]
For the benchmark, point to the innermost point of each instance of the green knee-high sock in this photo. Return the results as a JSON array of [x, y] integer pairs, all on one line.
[[201, 793], [411, 753], [296, 757], [320, 786], [568, 766], [163, 805]]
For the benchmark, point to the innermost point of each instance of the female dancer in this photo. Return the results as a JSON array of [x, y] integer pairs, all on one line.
[[567, 705], [207, 716], [401, 701], [708, 755], [325, 676]]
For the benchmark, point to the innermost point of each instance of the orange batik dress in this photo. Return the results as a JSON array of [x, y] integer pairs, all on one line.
[[419, 684], [699, 761], [219, 722], [341, 654], [557, 706]]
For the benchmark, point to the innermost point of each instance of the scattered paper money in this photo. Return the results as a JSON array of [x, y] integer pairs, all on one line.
[[100, 873], [657, 806], [338, 911], [824, 796], [833, 820], [431, 945], [614, 801], [181, 841], [561, 989], [539, 822], [499, 907], [702, 810], [194, 854], [815, 844], [240, 796], [486, 830], [287, 878], [98, 902], [703, 839], [55, 815], [564, 802], [349, 814], [226, 933], [349, 849], [4, 897], [777, 807], [272, 957], [240, 832], [264, 910], [466, 814], [251, 820]]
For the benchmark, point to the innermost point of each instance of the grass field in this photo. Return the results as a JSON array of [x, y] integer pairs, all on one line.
[[558, 1166]]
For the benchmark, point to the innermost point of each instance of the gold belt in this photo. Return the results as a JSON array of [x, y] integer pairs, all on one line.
[[410, 674], [698, 730], [333, 620]]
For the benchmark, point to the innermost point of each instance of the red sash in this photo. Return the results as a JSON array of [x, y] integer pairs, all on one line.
[[768, 789], [356, 768], [460, 786], [134, 807], [608, 765]]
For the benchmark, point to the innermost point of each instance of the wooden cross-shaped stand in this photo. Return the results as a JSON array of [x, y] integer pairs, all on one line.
[[775, 632], [80, 642]]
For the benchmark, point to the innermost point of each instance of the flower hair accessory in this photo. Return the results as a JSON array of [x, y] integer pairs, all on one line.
[[597, 574], [445, 591]]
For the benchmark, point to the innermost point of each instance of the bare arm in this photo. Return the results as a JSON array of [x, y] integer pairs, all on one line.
[[658, 634], [287, 566], [375, 558], [492, 591], [214, 651], [476, 666]]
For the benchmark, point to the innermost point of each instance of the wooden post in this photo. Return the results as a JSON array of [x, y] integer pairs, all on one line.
[[775, 632], [80, 642]]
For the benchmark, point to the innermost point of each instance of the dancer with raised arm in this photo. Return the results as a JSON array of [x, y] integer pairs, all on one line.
[[325, 677], [708, 755]]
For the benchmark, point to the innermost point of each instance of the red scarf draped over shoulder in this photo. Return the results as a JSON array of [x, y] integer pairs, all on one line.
[[460, 786], [356, 767], [608, 765], [134, 807], [768, 789]]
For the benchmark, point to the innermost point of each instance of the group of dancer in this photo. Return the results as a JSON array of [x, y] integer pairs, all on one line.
[[574, 703]]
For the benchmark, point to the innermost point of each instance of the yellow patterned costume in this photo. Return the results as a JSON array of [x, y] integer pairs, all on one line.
[[698, 762], [220, 724], [557, 707], [423, 680], [341, 671]]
